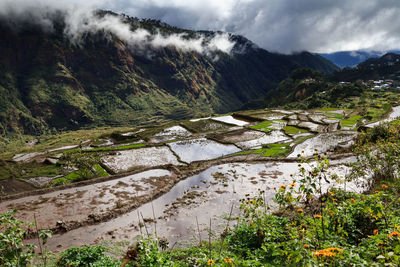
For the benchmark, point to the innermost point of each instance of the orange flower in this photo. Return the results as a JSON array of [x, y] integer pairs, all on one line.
[[394, 233], [306, 246], [375, 232], [331, 193], [329, 252], [282, 187], [353, 200], [287, 228], [299, 210], [384, 186], [381, 244], [317, 216], [210, 262], [292, 184]]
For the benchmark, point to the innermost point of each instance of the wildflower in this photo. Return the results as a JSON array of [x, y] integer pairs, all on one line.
[[292, 184], [287, 228], [384, 186], [329, 252], [381, 244], [227, 260], [394, 233], [306, 246], [353, 200], [282, 187], [210, 262], [314, 173], [317, 216], [331, 193], [375, 232], [299, 210]]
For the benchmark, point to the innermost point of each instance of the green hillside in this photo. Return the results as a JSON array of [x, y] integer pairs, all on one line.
[[48, 83]]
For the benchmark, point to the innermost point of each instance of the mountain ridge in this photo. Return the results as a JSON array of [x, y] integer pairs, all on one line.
[[49, 83]]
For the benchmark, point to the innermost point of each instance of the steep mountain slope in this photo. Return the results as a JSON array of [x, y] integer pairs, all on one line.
[[48, 81]]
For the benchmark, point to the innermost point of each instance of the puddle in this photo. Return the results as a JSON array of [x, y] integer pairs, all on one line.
[[268, 138], [322, 142], [208, 195], [142, 157], [76, 204], [201, 149], [230, 120]]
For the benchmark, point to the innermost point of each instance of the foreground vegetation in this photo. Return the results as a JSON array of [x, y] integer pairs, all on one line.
[[312, 227]]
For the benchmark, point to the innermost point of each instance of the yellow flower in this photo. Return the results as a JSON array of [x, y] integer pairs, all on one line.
[[331, 193], [287, 228], [375, 232], [299, 210], [210, 262], [227, 260], [282, 187], [306, 246], [317, 216], [292, 184], [384, 186], [353, 200]]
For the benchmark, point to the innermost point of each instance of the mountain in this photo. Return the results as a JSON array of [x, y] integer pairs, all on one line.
[[353, 58], [385, 67], [51, 82]]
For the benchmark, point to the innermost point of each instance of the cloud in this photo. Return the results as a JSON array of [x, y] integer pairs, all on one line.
[[81, 20], [284, 25], [277, 25]]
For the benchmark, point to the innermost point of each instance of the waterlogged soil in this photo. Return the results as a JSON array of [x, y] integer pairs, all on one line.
[[206, 196], [201, 149], [76, 204], [139, 158], [267, 138], [322, 143], [230, 120]]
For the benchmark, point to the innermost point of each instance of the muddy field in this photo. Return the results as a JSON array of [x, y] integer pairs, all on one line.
[[196, 172]]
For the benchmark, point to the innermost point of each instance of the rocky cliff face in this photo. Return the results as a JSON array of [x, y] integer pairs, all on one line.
[[47, 81]]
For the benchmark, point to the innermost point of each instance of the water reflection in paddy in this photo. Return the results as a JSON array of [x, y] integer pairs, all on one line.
[[201, 149], [209, 194]]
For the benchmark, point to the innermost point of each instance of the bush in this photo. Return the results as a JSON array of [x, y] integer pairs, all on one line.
[[92, 256]]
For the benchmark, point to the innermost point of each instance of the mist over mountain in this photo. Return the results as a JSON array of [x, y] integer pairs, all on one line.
[[111, 69]]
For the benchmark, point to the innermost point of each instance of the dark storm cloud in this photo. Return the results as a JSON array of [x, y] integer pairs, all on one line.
[[277, 25], [285, 25]]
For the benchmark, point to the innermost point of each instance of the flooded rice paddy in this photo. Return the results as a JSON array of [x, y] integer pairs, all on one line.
[[143, 157], [207, 195], [201, 149]]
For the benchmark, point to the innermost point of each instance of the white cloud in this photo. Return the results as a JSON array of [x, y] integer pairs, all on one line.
[[277, 25]]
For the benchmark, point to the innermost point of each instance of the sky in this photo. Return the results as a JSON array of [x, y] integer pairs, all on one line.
[[283, 26]]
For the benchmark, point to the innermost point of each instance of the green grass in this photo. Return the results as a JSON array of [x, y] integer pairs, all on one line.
[[131, 146], [351, 121], [27, 170], [264, 126], [100, 170], [293, 130], [277, 150], [271, 150]]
